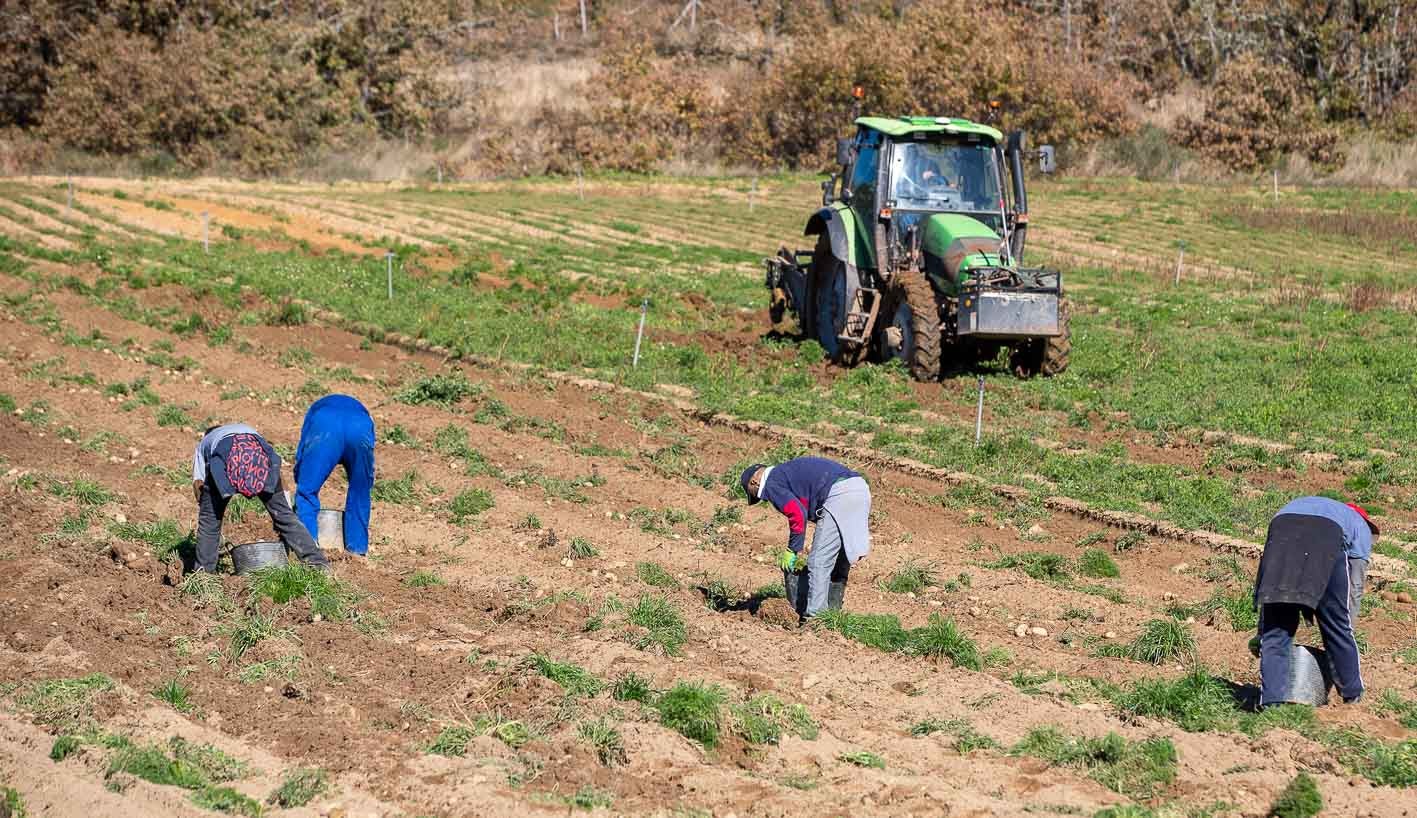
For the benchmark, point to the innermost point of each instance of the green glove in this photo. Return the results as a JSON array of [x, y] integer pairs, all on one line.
[[789, 561]]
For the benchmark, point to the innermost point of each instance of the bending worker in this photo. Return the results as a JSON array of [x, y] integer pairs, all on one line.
[[1314, 563], [338, 431], [235, 459], [834, 497]]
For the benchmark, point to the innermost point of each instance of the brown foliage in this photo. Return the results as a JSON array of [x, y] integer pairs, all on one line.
[[1255, 113], [944, 57]]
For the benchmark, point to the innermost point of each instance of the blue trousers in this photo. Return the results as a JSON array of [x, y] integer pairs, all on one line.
[[338, 431], [1278, 622]]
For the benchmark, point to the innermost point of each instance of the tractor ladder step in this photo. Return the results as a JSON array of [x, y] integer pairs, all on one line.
[[861, 320]]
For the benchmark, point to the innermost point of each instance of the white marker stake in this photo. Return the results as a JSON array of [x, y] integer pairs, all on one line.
[[389, 260], [206, 232], [1180, 259], [580, 183], [644, 310], [71, 197], [752, 194], [1276, 185], [979, 414]]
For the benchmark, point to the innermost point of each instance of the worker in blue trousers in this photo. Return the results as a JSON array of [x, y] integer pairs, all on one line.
[[338, 431]]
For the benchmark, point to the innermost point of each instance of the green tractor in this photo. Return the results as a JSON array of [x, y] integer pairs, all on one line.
[[919, 254]]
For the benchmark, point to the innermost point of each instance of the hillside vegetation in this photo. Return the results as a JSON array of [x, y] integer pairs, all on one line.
[[237, 85]]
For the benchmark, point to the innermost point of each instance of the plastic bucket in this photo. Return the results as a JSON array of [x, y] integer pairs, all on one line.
[[251, 556], [329, 524]]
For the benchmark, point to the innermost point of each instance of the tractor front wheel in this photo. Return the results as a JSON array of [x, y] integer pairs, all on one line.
[[1045, 356], [913, 334]]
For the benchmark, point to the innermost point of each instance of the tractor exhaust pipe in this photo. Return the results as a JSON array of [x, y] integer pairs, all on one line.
[[1014, 154]]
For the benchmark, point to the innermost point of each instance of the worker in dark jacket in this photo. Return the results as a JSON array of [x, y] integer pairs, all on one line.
[[832, 496], [1314, 563], [338, 431], [235, 459]]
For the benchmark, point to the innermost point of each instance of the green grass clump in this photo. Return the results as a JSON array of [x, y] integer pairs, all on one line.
[[452, 741], [1300, 799], [942, 639], [572, 678], [441, 390], [1198, 702], [966, 740], [299, 787], [1136, 769], [602, 735], [169, 415], [400, 492], [654, 574], [939, 639], [226, 799], [764, 717], [581, 549], [329, 597], [863, 758], [163, 536], [423, 579], [12, 804], [1391, 703], [880, 631], [660, 622], [1040, 565], [1160, 641], [65, 704], [65, 746], [911, 577], [693, 710], [1096, 563], [181, 764], [632, 687], [175, 694], [469, 504]]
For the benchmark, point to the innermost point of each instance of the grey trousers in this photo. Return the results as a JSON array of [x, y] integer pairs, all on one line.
[[845, 513], [1357, 578], [211, 509]]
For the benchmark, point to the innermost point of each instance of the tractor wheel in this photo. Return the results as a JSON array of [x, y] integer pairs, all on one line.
[[913, 334], [1045, 356], [828, 286]]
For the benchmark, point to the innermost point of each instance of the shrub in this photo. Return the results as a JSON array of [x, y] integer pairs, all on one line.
[[693, 710], [175, 694], [608, 744], [632, 687], [65, 746], [942, 639]]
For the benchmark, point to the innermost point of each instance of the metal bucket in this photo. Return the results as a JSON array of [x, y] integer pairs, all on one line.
[[1309, 677], [796, 585], [251, 556], [329, 524]]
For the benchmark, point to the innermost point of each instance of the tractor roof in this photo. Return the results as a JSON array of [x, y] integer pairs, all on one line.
[[901, 126]]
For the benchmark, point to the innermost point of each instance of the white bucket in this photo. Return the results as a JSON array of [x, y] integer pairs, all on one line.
[[330, 525]]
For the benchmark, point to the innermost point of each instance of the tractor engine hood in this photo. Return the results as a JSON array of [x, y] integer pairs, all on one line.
[[954, 244]]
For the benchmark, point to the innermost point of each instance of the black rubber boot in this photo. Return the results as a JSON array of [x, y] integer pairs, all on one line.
[[836, 595]]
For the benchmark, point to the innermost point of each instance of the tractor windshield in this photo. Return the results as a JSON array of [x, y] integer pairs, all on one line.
[[944, 176]]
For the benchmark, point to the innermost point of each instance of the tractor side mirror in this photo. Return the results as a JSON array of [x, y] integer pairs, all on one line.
[[844, 151], [1047, 159], [827, 188]]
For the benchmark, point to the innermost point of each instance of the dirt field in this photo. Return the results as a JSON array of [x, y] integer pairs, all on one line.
[[463, 610]]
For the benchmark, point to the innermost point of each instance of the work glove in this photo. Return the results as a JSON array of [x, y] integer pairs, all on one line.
[[790, 560]]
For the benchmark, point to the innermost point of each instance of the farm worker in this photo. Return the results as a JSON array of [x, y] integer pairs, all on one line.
[[1314, 563], [834, 497], [337, 431], [235, 459]]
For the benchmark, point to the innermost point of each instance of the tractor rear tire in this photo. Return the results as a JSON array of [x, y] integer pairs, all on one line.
[[917, 310], [827, 304], [1045, 356]]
